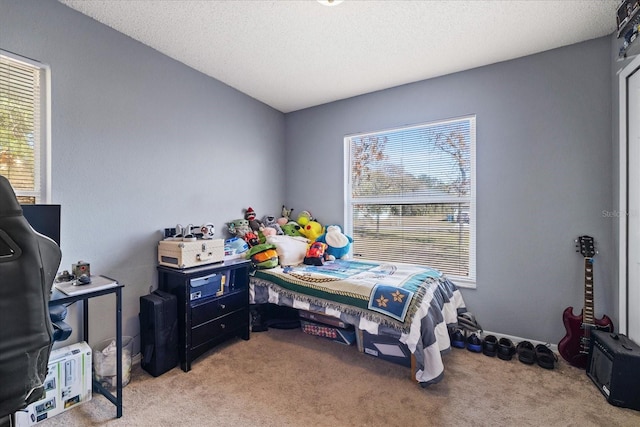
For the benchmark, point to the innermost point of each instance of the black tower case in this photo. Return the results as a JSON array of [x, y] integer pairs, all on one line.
[[159, 332]]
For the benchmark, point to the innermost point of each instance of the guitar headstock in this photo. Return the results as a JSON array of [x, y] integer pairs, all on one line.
[[586, 246]]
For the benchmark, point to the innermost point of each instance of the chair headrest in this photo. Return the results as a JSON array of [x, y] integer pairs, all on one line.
[[9, 205]]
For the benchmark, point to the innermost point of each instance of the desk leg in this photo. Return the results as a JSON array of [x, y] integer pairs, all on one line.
[[119, 352], [85, 320]]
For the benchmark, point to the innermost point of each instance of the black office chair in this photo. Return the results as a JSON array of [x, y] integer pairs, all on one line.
[[28, 265]]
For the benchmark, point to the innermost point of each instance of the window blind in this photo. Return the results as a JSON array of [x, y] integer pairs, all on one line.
[[20, 127], [410, 196]]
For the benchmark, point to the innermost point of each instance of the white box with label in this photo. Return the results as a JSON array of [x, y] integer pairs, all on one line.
[[67, 384]]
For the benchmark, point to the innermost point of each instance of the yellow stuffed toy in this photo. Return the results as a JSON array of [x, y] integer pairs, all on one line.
[[312, 230], [304, 218]]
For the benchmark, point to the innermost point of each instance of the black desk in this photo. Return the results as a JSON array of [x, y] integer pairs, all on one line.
[[60, 298]]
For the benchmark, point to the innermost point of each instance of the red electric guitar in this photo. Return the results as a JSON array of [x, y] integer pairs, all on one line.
[[574, 347]]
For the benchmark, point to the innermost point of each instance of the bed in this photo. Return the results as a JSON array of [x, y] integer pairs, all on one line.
[[411, 303]]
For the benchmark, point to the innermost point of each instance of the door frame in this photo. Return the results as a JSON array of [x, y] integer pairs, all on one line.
[[623, 76]]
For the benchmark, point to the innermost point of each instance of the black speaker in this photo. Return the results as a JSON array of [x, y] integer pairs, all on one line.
[[614, 367]]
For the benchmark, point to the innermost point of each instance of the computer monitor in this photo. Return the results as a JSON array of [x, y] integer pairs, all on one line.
[[45, 219]]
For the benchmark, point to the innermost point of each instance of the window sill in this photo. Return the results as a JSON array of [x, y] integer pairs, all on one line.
[[463, 282]]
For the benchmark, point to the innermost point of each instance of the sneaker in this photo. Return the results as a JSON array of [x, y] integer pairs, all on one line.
[[474, 343], [457, 339]]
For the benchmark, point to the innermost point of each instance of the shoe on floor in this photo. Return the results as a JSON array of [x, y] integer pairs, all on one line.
[[506, 349], [490, 346], [526, 353], [474, 343], [545, 357], [457, 339]]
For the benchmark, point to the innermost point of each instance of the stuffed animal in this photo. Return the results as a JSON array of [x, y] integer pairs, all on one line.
[[316, 254], [250, 215], [285, 217], [263, 256], [265, 232], [312, 230], [304, 218], [238, 227], [270, 221], [251, 238], [235, 247], [292, 229], [338, 243]]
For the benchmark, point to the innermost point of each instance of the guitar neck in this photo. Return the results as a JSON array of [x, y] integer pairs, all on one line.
[[587, 313]]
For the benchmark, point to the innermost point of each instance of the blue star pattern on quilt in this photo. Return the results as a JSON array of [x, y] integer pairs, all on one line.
[[390, 300]]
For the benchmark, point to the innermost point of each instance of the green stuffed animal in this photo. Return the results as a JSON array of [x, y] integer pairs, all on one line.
[[263, 256], [239, 227], [292, 229]]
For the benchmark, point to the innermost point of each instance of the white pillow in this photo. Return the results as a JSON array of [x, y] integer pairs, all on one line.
[[291, 249]]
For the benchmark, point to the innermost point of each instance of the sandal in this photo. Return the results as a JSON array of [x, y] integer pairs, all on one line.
[[545, 357], [526, 352], [490, 346], [505, 349]]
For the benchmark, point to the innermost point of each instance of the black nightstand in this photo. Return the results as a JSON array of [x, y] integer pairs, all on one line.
[[213, 305]]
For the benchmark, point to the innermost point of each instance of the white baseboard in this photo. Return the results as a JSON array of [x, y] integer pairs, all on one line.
[[516, 340]]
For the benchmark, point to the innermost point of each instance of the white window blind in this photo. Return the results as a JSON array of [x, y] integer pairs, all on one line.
[[411, 196], [23, 146]]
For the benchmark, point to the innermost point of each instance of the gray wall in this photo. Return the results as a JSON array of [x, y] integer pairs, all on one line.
[[140, 142], [544, 176]]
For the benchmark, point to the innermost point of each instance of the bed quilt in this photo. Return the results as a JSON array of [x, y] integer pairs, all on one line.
[[412, 301]]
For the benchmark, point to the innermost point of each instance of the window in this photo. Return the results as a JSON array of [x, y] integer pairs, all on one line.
[[410, 196], [24, 129]]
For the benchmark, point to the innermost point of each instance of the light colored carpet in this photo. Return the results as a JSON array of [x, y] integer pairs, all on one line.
[[286, 378]]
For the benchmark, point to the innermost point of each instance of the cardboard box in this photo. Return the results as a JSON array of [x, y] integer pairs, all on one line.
[[68, 383], [179, 254], [386, 347], [340, 335]]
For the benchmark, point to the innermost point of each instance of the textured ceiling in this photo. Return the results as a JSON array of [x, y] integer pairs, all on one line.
[[293, 54]]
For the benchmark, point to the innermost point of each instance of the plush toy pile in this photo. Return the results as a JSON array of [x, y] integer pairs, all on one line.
[[282, 241]]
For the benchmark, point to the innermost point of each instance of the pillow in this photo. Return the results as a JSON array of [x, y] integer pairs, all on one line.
[[291, 249]]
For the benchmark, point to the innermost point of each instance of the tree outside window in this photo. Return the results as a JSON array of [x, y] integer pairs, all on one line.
[[411, 196], [21, 136]]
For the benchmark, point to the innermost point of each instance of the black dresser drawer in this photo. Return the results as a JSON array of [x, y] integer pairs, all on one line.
[[220, 326], [209, 310], [213, 305]]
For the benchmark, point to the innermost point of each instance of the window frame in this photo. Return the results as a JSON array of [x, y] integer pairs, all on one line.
[[42, 158], [461, 281]]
